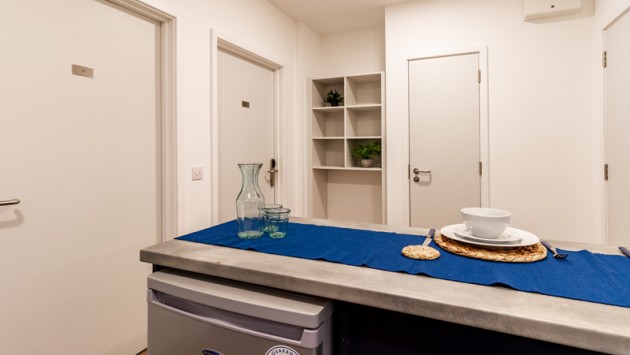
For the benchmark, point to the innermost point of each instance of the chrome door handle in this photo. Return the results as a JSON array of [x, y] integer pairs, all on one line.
[[13, 201], [272, 177], [272, 172], [418, 171]]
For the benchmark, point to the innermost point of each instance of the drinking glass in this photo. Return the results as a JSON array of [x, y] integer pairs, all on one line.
[[263, 213], [278, 220]]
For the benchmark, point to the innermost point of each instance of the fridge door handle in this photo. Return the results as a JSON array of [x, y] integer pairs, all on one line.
[[304, 337]]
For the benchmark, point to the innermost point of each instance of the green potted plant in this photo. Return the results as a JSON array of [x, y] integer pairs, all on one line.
[[334, 97], [366, 152]]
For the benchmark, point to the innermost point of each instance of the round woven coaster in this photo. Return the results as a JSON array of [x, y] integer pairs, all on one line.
[[420, 252], [526, 254]]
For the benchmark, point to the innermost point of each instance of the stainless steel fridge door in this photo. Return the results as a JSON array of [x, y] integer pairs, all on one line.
[[180, 325]]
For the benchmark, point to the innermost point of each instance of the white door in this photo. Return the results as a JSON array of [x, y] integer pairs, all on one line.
[[246, 127], [443, 138], [617, 78], [82, 155]]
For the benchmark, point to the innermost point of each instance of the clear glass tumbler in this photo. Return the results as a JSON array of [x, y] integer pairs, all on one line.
[[278, 221], [266, 208]]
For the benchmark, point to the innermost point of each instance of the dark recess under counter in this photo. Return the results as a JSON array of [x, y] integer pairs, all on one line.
[[362, 330]]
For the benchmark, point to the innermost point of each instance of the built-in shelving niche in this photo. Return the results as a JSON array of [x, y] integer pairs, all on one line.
[[340, 188]]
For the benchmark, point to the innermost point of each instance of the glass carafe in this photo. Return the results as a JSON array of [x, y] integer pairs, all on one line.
[[250, 203]]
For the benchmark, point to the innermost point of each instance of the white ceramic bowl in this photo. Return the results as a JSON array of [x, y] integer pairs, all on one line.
[[486, 222]]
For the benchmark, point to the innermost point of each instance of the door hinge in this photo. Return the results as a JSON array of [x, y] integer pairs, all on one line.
[[605, 172], [480, 168], [408, 171], [479, 76], [604, 59]]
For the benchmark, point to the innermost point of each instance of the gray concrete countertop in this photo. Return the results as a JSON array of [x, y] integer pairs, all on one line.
[[575, 323]]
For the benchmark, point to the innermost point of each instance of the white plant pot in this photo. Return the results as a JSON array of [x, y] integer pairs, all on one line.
[[366, 163]]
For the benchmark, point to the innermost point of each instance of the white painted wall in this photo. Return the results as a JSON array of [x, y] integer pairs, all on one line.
[[308, 62], [545, 149], [262, 28], [348, 53], [354, 52]]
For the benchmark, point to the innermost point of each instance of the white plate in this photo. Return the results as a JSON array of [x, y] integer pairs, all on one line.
[[505, 238], [526, 238]]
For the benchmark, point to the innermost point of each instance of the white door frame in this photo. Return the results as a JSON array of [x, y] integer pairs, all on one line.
[[624, 10], [168, 118], [219, 41], [482, 51]]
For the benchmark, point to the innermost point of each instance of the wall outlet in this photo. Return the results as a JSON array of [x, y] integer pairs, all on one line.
[[197, 172]]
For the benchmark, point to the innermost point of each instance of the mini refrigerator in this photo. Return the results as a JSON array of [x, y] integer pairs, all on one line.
[[192, 314]]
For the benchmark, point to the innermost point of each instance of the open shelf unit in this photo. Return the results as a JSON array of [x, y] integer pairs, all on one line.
[[340, 188]]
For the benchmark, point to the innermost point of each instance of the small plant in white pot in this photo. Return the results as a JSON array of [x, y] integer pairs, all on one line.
[[366, 152]]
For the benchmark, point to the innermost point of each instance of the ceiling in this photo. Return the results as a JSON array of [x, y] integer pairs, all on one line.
[[335, 16]]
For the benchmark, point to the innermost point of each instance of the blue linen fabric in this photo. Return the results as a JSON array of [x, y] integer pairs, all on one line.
[[582, 276]]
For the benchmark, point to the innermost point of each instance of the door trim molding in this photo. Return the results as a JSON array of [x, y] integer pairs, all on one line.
[[624, 10], [170, 182], [484, 128], [219, 41], [614, 17]]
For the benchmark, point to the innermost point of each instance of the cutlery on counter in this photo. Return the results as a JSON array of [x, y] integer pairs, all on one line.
[[625, 251], [430, 236], [553, 250]]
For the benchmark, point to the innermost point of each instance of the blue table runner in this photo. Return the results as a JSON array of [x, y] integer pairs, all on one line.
[[582, 276]]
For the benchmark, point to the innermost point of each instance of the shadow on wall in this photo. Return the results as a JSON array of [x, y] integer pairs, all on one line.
[[14, 222]]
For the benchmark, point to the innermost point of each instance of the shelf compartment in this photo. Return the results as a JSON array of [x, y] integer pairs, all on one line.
[[364, 121], [347, 190], [322, 86], [363, 89], [328, 123], [328, 152], [353, 162]]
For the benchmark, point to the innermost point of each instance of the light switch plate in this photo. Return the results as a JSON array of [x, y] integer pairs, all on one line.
[[197, 172]]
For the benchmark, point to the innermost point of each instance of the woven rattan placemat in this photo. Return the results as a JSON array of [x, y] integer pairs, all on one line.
[[526, 254]]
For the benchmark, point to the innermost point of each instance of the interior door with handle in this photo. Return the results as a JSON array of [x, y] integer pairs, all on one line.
[[80, 176], [444, 144], [246, 126]]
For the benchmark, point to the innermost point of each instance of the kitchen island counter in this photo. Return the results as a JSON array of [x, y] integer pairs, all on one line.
[[574, 323]]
